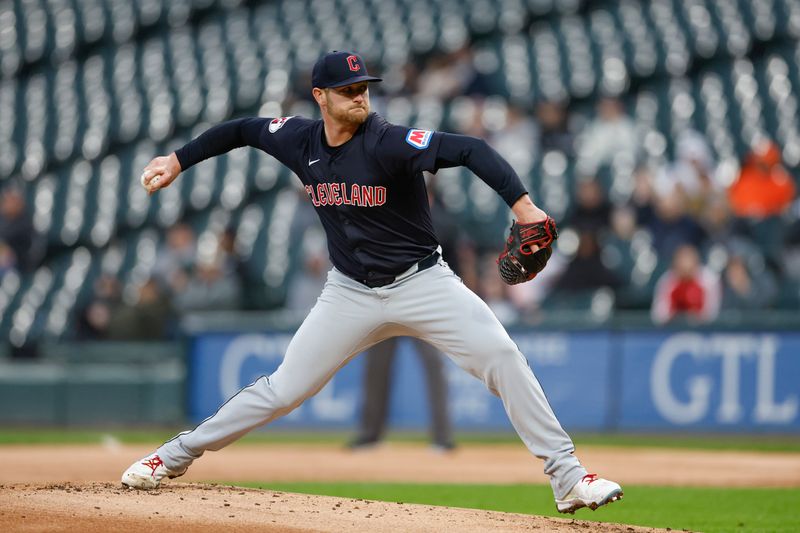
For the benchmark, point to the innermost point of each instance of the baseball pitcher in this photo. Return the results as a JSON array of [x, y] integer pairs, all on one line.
[[364, 177]]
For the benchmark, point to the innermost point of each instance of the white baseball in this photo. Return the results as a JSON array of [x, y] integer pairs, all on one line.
[[153, 182]]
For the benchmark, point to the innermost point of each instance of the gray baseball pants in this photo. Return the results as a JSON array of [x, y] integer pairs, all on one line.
[[433, 305]]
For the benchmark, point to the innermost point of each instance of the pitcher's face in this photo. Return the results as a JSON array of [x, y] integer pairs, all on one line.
[[348, 104]]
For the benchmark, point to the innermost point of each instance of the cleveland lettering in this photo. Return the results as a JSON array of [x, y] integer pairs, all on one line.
[[342, 194]]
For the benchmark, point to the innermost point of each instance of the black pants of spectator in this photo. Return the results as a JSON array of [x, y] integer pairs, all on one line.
[[377, 387]]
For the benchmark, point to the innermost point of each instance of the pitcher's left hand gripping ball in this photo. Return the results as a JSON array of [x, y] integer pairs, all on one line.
[[527, 250]]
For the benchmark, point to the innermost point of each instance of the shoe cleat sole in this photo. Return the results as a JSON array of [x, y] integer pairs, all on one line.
[[614, 496], [139, 483]]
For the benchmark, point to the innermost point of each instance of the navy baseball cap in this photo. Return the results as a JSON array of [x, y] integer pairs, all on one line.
[[337, 69]]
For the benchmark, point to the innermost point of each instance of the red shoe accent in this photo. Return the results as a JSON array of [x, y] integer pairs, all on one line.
[[590, 477], [153, 463]]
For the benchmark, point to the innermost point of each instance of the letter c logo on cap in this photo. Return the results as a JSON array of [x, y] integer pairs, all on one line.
[[352, 62]]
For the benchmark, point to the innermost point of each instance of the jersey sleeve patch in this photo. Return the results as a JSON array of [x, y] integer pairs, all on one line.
[[277, 123], [419, 139]]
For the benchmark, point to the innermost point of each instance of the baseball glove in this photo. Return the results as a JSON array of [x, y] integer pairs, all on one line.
[[519, 262]]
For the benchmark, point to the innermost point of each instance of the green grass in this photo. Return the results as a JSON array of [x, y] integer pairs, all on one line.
[[154, 436], [760, 443], [764, 443], [77, 436], [696, 509]]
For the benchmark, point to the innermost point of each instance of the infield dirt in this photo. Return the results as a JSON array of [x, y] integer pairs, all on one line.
[[76, 488], [181, 507]]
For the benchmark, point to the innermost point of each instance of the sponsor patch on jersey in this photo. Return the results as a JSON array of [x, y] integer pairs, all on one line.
[[277, 123], [419, 139]]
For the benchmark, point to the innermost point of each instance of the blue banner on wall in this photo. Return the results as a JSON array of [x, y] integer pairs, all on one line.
[[593, 381], [566, 364], [710, 381]]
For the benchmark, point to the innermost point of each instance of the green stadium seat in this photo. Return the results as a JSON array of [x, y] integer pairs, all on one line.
[[84, 113]]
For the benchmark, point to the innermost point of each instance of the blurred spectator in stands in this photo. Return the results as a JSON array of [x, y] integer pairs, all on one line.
[[790, 256], [448, 75], [627, 251], [586, 270], [693, 173], [16, 227], [306, 285], [468, 117], [300, 88], [759, 197], [8, 260], [618, 251], [515, 137], [623, 222], [554, 128], [688, 289], [448, 228], [764, 187], [611, 134], [673, 227], [400, 79], [716, 222], [643, 197], [149, 317], [178, 254], [231, 261], [207, 288], [94, 319], [742, 290], [592, 208]]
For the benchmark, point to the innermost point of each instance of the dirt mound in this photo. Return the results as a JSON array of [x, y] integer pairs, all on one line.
[[181, 507], [35, 495], [408, 463]]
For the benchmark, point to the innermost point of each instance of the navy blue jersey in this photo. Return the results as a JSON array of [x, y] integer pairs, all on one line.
[[369, 192]]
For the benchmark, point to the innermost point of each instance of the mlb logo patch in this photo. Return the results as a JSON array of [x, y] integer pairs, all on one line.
[[419, 139], [277, 123]]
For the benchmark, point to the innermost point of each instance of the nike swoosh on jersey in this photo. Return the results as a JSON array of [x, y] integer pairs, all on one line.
[[310, 162]]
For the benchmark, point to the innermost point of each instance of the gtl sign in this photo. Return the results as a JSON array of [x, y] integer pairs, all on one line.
[[731, 350]]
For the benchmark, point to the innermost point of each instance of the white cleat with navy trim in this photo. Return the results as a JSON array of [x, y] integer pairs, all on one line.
[[147, 473], [592, 492]]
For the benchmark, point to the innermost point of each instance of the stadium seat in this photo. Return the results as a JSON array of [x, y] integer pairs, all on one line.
[[93, 90]]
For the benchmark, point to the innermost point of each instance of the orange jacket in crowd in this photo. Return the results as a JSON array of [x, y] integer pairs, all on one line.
[[764, 187]]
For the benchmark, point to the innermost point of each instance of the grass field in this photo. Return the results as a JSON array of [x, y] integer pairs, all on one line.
[[696, 509], [760, 443]]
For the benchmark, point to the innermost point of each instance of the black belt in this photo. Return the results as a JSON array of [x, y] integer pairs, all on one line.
[[423, 264]]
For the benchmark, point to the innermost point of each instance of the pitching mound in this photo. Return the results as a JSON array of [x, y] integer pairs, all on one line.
[[182, 507]]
